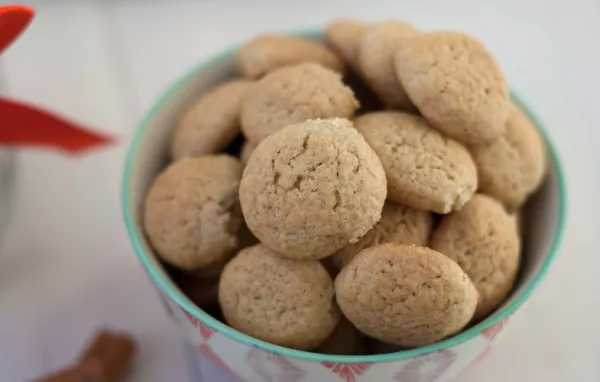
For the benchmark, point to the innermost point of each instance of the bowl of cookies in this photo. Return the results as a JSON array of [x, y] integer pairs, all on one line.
[[366, 202]]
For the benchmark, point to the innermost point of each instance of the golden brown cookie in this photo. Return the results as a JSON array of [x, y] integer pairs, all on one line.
[[511, 167], [312, 188], [278, 300], [192, 213], [295, 94], [344, 37], [482, 238], [247, 150], [267, 53], [424, 169], [399, 224], [456, 84], [406, 295], [376, 59], [211, 123], [344, 340]]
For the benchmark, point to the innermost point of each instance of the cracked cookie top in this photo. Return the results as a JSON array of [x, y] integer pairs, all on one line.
[[278, 300], [292, 95], [456, 84], [483, 239], [312, 188], [406, 295], [424, 169], [192, 214]]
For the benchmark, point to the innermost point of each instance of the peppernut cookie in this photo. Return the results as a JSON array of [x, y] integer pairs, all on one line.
[[344, 36], [344, 340], [482, 238], [399, 224], [295, 94], [456, 84], [406, 295], [278, 300], [211, 123], [269, 52], [312, 188], [376, 59], [424, 169], [511, 167], [192, 213]]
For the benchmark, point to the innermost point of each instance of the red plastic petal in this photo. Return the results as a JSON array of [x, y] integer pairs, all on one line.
[[25, 125], [13, 21]]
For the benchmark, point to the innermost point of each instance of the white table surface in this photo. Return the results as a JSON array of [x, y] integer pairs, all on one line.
[[67, 265]]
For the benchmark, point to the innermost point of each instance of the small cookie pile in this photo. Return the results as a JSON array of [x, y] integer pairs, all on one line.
[[374, 204]]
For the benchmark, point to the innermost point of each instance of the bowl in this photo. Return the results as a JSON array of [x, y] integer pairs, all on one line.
[[220, 353]]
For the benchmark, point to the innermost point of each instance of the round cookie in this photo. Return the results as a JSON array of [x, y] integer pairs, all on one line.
[[247, 150], [211, 123], [406, 295], [269, 52], [344, 340], [192, 214], [399, 224], [278, 300], [456, 84], [511, 167], [424, 169], [292, 95], [482, 238], [344, 36], [376, 59], [312, 188]]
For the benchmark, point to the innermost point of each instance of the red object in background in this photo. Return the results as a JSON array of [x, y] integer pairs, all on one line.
[[24, 125], [13, 21]]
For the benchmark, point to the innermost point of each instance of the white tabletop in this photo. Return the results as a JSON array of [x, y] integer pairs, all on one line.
[[67, 267]]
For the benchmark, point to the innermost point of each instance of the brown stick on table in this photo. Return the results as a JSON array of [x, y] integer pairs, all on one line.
[[104, 360]]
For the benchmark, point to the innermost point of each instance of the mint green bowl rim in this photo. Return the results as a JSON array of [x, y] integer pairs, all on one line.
[[167, 287]]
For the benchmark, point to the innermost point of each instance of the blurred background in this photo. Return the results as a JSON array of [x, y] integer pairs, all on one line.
[[66, 264]]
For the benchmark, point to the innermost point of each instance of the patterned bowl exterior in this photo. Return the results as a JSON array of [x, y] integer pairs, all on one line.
[[222, 359]]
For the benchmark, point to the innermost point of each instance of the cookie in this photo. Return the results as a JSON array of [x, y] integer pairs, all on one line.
[[511, 167], [376, 60], [344, 36], [344, 340], [269, 52], [399, 224], [311, 189], [292, 95], [211, 123], [405, 295], [424, 169], [192, 214], [482, 238], [247, 150], [456, 84], [278, 300]]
